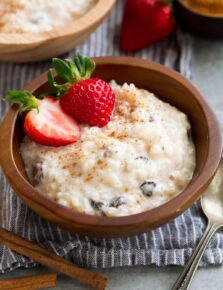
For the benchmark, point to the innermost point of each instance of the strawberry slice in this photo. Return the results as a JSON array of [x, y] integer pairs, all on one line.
[[45, 123]]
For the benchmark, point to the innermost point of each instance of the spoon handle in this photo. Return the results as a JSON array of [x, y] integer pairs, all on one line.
[[184, 280]]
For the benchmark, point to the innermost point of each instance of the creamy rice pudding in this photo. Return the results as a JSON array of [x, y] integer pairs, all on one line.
[[141, 159], [23, 16]]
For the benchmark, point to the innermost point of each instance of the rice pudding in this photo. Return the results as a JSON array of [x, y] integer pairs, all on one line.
[[22, 16], [141, 159]]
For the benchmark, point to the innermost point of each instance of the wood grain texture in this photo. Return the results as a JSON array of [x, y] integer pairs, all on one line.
[[169, 86], [31, 47], [29, 282], [208, 26], [47, 258]]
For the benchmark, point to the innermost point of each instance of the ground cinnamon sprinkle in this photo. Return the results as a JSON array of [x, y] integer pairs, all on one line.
[[207, 7]]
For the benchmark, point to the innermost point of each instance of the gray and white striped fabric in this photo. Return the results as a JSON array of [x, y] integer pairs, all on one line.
[[171, 244]]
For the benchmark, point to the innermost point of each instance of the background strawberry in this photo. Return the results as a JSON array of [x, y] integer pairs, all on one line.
[[145, 22], [45, 123], [87, 100]]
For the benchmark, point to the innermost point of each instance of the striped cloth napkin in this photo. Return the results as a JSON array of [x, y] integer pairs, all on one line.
[[171, 244]]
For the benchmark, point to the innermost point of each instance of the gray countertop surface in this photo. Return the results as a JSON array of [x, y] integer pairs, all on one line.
[[208, 76]]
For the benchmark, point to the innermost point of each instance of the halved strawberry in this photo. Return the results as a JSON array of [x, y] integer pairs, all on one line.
[[45, 123]]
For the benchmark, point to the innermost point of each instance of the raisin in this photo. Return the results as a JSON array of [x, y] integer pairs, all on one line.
[[37, 173], [97, 205], [144, 158], [189, 135], [151, 119], [103, 213], [108, 153], [116, 202], [148, 187]]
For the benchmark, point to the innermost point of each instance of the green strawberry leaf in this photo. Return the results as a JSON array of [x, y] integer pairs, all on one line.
[[85, 66], [60, 89], [18, 96], [28, 100], [79, 69], [80, 64], [63, 69], [73, 70]]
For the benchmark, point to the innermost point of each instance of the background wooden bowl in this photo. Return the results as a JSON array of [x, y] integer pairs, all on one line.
[[169, 86], [31, 47], [205, 25]]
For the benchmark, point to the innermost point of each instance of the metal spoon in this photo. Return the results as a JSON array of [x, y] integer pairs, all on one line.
[[212, 205]]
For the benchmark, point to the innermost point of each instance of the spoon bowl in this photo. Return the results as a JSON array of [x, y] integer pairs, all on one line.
[[212, 205], [212, 199]]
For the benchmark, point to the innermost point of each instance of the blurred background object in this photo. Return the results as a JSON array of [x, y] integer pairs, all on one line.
[[202, 17], [44, 44], [145, 22]]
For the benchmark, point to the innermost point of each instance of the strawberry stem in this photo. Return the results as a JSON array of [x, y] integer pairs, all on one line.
[[60, 89], [28, 100], [70, 71], [84, 65], [167, 1]]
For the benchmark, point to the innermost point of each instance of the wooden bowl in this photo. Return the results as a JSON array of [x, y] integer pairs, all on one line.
[[171, 87], [202, 24], [31, 47]]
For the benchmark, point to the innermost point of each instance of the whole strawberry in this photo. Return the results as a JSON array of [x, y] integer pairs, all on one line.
[[145, 22], [87, 100]]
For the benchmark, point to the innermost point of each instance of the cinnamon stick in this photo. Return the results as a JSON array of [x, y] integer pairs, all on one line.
[[30, 282], [45, 257]]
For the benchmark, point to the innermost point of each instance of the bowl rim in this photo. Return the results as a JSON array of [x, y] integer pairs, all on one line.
[[90, 19], [158, 215], [201, 14]]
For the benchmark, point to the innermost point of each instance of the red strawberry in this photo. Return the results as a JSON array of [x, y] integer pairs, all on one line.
[[47, 124], [90, 101], [87, 100], [145, 22]]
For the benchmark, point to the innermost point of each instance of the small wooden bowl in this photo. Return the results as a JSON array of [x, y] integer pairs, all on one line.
[[205, 25], [31, 47], [171, 87]]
